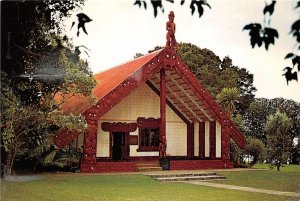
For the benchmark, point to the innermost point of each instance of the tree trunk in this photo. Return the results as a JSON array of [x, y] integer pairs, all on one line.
[[9, 161]]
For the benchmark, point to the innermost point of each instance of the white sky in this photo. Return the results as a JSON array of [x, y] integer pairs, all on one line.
[[119, 30]]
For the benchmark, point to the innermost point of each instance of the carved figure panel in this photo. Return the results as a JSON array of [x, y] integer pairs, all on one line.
[[118, 127]]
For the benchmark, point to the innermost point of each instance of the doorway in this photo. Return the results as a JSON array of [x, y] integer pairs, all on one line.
[[118, 143]]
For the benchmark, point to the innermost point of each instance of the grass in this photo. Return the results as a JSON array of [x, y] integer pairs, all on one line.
[[284, 168], [287, 179], [118, 187]]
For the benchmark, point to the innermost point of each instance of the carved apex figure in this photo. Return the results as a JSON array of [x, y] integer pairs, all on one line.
[[170, 26]]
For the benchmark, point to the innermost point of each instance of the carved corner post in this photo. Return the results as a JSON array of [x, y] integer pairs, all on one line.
[[90, 137], [225, 143], [163, 142]]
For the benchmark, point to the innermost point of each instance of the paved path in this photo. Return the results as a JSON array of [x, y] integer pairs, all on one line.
[[240, 188]]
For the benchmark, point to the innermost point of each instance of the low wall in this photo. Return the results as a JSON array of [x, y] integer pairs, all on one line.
[[109, 167], [199, 164]]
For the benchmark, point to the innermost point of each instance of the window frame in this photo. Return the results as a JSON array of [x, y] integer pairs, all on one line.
[[148, 124]]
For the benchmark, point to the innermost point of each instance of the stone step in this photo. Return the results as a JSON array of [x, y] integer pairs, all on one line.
[[189, 178], [183, 175], [149, 169], [147, 164]]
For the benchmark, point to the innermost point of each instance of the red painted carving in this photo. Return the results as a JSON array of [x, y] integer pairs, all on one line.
[[225, 144], [171, 27], [163, 141], [212, 140], [143, 122], [92, 115], [118, 127], [162, 147], [64, 137], [90, 145], [202, 140], [190, 140], [170, 58]]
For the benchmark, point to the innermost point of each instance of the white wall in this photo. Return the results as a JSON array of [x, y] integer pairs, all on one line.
[[196, 138], [206, 141], [218, 140], [143, 102]]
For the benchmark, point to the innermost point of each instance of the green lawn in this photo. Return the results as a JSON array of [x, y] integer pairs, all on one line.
[[287, 179], [118, 187], [284, 168]]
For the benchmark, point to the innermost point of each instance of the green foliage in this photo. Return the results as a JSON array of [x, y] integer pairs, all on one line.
[[42, 73], [61, 158], [228, 98], [278, 141], [256, 116], [256, 149]]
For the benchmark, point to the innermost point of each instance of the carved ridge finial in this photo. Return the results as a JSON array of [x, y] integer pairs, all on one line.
[[171, 27]]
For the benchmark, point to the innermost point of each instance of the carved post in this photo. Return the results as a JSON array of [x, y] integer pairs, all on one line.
[[162, 113], [90, 137], [202, 140], [225, 144], [212, 140]]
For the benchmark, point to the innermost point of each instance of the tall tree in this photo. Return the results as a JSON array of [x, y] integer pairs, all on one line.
[[256, 116], [256, 149], [279, 141], [39, 72]]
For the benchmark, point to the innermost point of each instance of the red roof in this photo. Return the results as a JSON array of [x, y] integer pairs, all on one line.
[[106, 82]]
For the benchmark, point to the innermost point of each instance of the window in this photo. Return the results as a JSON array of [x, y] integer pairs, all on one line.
[[148, 134], [149, 137]]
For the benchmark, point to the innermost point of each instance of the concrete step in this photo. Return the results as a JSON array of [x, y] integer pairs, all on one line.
[[149, 169], [205, 176], [189, 178], [182, 174]]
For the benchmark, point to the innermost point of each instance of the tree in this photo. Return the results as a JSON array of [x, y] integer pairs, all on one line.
[[278, 141], [256, 149], [24, 123], [228, 98], [255, 117], [39, 72]]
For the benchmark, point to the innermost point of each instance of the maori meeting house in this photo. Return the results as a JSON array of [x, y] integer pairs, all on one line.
[[151, 111]]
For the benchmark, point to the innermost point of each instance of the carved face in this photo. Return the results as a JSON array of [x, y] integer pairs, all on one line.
[[92, 117]]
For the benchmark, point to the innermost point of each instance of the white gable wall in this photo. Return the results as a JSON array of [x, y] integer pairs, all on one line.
[[144, 102], [218, 139]]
